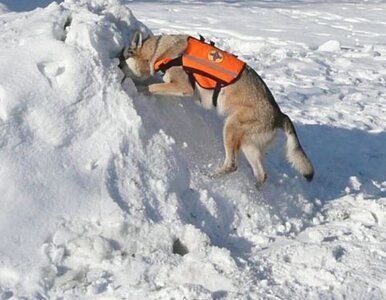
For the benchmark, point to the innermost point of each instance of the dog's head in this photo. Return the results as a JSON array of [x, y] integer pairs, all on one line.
[[138, 56]]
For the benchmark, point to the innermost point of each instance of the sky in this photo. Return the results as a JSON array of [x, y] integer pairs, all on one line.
[[25, 5]]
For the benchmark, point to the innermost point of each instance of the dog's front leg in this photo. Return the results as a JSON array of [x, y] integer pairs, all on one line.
[[173, 88], [176, 82]]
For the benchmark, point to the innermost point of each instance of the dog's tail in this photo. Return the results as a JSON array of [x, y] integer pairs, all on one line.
[[295, 153]]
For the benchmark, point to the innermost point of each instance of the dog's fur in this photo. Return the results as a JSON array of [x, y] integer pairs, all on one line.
[[252, 115]]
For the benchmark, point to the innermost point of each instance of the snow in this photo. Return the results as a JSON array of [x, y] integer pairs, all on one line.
[[104, 192], [330, 46]]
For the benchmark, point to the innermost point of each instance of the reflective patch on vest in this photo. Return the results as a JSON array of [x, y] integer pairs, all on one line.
[[207, 66]]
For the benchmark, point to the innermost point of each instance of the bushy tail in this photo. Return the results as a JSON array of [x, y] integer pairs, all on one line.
[[295, 153]]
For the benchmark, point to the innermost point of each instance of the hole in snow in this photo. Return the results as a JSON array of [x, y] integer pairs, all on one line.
[[179, 248], [339, 253], [67, 24], [220, 295]]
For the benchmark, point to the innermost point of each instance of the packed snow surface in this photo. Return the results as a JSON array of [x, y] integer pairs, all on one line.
[[104, 192]]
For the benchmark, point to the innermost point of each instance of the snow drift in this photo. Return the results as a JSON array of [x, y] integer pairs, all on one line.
[[103, 189], [91, 197]]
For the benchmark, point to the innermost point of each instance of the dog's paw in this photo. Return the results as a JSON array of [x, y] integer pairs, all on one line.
[[259, 185], [223, 171], [260, 182], [151, 89], [214, 175]]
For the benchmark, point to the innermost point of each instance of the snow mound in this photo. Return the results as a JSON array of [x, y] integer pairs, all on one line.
[[104, 192], [330, 46], [95, 195]]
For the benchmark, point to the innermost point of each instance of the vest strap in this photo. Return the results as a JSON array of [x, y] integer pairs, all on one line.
[[216, 92], [173, 63], [191, 79]]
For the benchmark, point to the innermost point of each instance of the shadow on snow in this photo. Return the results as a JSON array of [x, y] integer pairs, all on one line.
[[338, 154]]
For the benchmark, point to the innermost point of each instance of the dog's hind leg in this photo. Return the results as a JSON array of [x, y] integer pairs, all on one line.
[[233, 135], [255, 158]]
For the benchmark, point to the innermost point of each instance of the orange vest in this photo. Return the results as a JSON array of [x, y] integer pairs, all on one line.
[[210, 67]]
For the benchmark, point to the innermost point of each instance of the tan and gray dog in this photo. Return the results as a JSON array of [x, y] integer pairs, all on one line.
[[252, 115]]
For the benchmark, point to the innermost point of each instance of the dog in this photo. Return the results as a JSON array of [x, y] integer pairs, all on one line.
[[252, 115]]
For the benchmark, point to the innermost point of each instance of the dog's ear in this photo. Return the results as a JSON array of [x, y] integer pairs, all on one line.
[[136, 41]]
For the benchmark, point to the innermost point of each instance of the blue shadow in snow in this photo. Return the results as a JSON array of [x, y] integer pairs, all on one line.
[[338, 154]]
